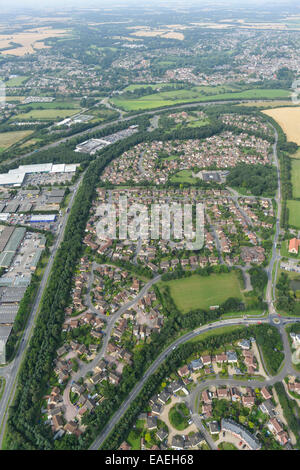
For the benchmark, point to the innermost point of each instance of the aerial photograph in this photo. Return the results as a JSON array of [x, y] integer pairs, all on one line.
[[150, 228]]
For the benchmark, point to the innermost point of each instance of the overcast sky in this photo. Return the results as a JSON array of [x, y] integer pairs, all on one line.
[[22, 4]]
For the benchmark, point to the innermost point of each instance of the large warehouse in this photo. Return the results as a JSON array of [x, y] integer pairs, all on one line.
[[16, 176], [4, 334]]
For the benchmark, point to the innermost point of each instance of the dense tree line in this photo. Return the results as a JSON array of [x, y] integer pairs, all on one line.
[[290, 410], [261, 180]]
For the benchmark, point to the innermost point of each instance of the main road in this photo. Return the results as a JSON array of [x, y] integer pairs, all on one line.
[[10, 371], [127, 118]]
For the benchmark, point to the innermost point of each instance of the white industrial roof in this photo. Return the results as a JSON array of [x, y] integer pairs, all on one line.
[[36, 168], [17, 175], [43, 217], [71, 167], [7, 178], [60, 168]]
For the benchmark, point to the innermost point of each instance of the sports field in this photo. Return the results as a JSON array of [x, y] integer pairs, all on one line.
[[296, 177], [294, 213], [195, 94], [7, 139], [289, 121], [203, 291]]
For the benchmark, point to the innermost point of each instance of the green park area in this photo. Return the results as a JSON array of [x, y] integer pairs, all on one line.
[[16, 81], [197, 291], [179, 416], [184, 176], [296, 177], [294, 213], [227, 446], [195, 94]]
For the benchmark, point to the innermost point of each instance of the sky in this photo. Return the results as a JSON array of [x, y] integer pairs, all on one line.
[[23, 4]]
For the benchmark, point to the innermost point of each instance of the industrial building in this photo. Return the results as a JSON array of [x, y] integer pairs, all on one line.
[[42, 218], [16, 176], [91, 146], [4, 334], [10, 240]]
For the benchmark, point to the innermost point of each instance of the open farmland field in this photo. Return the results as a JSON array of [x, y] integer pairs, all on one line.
[[296, 177], [294, 213], [7, 139], [166, 33], [10, 99], [196, 94], [29, 40], [289, 121], [201, 292], [46, 114], [268, 104]]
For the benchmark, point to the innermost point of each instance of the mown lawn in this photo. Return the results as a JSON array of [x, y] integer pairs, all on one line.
[[184, 176], [296, 177], [294, 213], [201, 292]]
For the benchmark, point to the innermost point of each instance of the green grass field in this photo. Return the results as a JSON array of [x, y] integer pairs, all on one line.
[[195, 94], [227, 446], [68, 104], [201, 292], [16, 81], [154, 86], [294, 213], [184, 176], [296, 177], [215, 332], [7, 139], [296, 155], [46, 114]]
